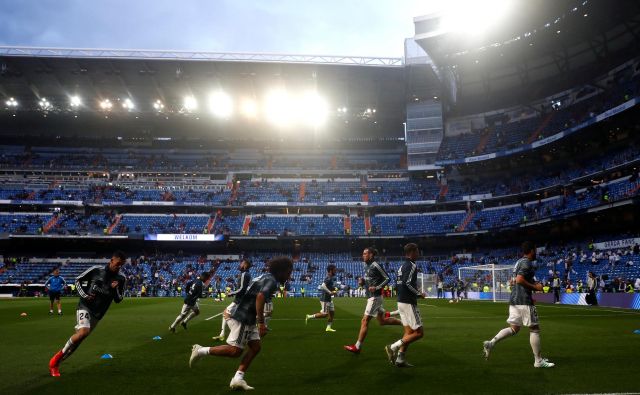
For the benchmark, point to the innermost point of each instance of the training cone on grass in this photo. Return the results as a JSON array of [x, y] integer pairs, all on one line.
[[637, 331], [106, 356], [23, 314], [157, 338]]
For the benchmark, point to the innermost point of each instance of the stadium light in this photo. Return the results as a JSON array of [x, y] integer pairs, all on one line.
[[75, 101], [44, 104], [127, 104], [472, 17], [249, 108], [106, 105], [158, 106], [278, 107], [221, 104], [190, 103], [313, 109], [12, 102]]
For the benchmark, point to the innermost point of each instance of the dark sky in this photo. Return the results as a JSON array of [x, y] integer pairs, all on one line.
[[346, 27]]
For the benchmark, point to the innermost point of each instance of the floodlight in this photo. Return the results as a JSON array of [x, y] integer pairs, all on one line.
[[106, 104], [473, 17], [278, 107], [221, 104], [75, 101], [249, 108], [190, 103], [127, 104]]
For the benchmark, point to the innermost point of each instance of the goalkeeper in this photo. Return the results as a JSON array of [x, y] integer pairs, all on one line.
[[97, 287]]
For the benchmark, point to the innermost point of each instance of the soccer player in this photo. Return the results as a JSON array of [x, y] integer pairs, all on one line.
[[242, 323], [97, 287], [328, 289], [521, 308], [375, 279], [191, 308], [408, 294], [245, 279], [55, 285]]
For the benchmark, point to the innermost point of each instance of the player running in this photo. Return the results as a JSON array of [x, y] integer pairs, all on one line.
[[328, 289], [97, 287], [245, 279], [55, 285], [521, 308], [375, 279], [408, 294], [191, 308], [242, 323]]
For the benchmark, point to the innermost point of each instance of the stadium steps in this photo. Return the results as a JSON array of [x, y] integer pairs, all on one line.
[[115, 223], [246, 224], [211, 223], [302, 192], [443, 191], [367, 224], [31, 195], [484, 139], [466, 221], [536, 133], [51, 223], [347, 225]]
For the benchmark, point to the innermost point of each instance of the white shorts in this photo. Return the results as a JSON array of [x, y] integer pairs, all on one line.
[[240, 334], [268, 308], [326, 307], [186, 308], [410, 315], [374, 306], [231, 308], [84, 319], [523, 315]]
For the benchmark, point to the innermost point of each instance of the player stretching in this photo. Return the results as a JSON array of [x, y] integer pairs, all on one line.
[[326, 304], [245, 279], [521, 308], [97, 287], [55, 284], [375, 279], [408, 294], [242, 323], [190, 308]]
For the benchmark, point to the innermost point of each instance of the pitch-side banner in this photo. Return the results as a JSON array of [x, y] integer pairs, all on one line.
[[607, 245], [183, 237]]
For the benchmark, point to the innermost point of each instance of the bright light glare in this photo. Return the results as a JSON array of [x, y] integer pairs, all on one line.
[[44, 104], [221, 104], [278, 108], [313, 110], [12, 102], [472, 16], [75, 101], [190, 103], [106, 104], [127, 104], [249, 108], [158, 105]]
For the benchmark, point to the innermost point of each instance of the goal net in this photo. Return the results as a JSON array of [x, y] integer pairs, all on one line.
[[493, 282], [428, 284]]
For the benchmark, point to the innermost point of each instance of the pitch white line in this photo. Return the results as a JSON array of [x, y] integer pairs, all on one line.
[[586, 308], [454, 317], [214, 316]]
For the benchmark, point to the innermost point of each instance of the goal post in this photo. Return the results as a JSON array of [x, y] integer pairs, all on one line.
[[491, 282], [428, 284]]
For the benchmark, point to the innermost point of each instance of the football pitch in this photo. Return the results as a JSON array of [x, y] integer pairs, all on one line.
[[595, 350]]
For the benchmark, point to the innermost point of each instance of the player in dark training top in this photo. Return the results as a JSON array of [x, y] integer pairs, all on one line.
[[55, 285], [191, 308], [242, 323], [375, 280], [522, 311], [238, 293], [97, 287], [328, 290], [408, 294]]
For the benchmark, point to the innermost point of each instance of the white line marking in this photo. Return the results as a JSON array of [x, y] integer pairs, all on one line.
[[214, 316], [585, 308]]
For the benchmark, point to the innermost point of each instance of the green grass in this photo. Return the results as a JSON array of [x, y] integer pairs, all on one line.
[[594, 349]]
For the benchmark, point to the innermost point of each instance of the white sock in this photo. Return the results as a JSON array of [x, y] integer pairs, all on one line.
[[202, 351], [59, 311], [189, 317], [311, 316], [503, 334], [329, 324], [51, 311], [394, 313], [534, 339], [400, 357], [177, 321], [239, 375], [222, 330], [68, 349], [396, 346], [358, 344]]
